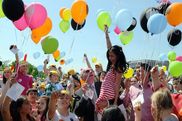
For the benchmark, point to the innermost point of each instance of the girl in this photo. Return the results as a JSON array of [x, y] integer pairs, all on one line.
[[16, 111], [116, 67], [61, 111], [42, 106]]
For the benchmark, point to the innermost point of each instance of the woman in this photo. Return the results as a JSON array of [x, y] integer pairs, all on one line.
[[117, 65], [42, 106], [19, 110], [60, 112]]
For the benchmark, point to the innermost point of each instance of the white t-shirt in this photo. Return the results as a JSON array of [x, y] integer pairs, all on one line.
[[59, 117]]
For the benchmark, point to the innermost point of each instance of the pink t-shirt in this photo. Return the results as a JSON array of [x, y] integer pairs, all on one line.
[[24, 80]]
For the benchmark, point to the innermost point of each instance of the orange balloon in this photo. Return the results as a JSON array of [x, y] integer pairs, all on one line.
[[62, 62], [61, 12], [79, 11], [35, 38], [174, 14], [56, 54], [44, 29], [180, 112]]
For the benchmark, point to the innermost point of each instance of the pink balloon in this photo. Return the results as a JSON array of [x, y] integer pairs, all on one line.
[[179, 58], [117, 30], [35, 15], [21, 24]]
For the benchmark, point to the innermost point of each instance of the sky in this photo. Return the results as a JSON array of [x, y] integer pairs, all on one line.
[[90, 39]]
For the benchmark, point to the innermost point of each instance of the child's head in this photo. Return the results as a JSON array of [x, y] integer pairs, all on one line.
[[113, 114], [42, 104], [23, 68], [64, 100], [54, 76], [161, 101], [32, 95], [6, 74], [117, 59]]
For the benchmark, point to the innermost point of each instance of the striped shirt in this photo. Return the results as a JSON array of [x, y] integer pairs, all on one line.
[[108, 86]]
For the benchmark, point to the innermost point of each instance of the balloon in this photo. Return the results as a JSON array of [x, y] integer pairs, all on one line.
[[36, 55], [57, 59], [70, 60], [163, 57], [164, 68], [21, 24], [62, 62], [40, 68], [94, 60], [156, 23], [44, 29], [145, 16], [1, 10], [66, 14], [162, 1], [129, 73], [174, 37], [64, 26], [77, 26], [13, 9], [103, 19], [163, 7], [20, 54], [62, 54], [61, 12], [35, 15], [49, 45], [123, 19], [117, 30], [179, 58], [35, 38], [56, 54], [171, 56], [126, 37], [175, 68], [133, 25], [174, 14], [79, 11]]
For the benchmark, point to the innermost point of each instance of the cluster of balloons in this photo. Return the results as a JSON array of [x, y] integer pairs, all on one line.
[[175, 66], [78, 14], [33, 16], [155, 19]]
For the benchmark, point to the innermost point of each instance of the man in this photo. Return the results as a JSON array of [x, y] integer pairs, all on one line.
[[85, 107], [144, 88]]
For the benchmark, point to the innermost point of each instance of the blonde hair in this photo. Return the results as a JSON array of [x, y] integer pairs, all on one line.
[[162, 101]]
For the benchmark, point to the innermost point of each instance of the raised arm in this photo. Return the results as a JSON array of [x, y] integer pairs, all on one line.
[[87, 61], [6, 109], [52, 105], [108, 41], [46, 71]]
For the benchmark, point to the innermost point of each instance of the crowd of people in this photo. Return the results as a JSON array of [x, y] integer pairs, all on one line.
[[94, 94]]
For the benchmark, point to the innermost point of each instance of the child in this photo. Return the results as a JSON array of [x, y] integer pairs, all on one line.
[[116, 67]]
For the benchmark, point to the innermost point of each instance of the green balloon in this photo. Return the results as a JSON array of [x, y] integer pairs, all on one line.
[[64, 26], [49, 45], [126, 37], [175, 68], [1, 11], [103, 18], [171, 56]]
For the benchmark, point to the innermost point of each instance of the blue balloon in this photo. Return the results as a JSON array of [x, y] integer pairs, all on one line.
[[163, 57], [36, 55], [20, 54], [62, 54], [123, 19], [68, 61], [157, 23], [40, 68]]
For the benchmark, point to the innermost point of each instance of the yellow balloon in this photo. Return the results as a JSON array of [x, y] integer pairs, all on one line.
[[164, 68], [66, 14], [129, 73], [94, 60]]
